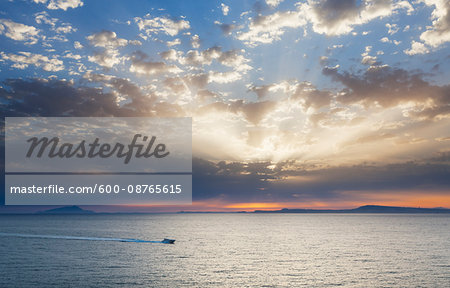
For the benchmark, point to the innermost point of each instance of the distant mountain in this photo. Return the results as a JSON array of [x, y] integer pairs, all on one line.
[[393, 209], [67, 210], [362, 209]]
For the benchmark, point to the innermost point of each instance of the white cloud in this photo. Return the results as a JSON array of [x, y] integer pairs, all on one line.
[[392, 28], [328, 17], [439, 33], [195, 41], [107, 58], [72, 56], [109, 41], [171, 55], [77, 45], [368, 59], [44, 18], [61, 4], [266, 29], [161, 24], [106, 39], [230, 58], [225, 9], [22, 60], [223, 77], [416, 48], [332, 17], [19, 32], [174, 42], [65, 28], [273, 3]]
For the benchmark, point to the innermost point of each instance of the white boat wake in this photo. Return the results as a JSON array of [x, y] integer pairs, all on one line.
[[165, 241]]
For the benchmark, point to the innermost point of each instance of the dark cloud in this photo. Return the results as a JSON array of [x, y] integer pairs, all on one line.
[[227, 28], [261, 91], [291, 181], [39, 97], [253, 112], [336, 17], [140, 64], [333, 11], [388, 87], [312, 96]]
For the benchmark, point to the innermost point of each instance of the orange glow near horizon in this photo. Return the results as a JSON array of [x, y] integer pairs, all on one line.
[[413, 199]]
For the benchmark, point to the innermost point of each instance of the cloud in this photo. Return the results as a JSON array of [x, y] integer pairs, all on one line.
[[61, 4], [107, 58], [77, 45], [311, 96], [56, 98], [22, 60], [106, 39], [140, 65], [368, 59], [253, 112], [170, 54], [124, 89], [72, 56], [157, 25], [175, 42], [330, 17], [226, 28], [269, 28], [19, 32], [195, 41], [392, 28], [44, 18], [38, 97], [304, 93], [294, 181], [333, 17], [416, 48], [273, 3], [65, 28], [439, 33], [231, 58], [225, 9], [224, 77], [388, 87]]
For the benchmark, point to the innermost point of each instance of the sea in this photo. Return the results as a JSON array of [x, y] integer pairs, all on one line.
[[225, 250]]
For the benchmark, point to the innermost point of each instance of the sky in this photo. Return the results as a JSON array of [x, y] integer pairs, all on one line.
[[297, 104]]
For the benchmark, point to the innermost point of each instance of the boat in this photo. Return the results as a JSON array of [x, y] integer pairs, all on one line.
[[168, 241]]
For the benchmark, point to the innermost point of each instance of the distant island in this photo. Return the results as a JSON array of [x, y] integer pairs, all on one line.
[[362, 209], [67, 210]]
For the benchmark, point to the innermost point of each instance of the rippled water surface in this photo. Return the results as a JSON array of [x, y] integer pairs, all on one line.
[[226, 250]]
